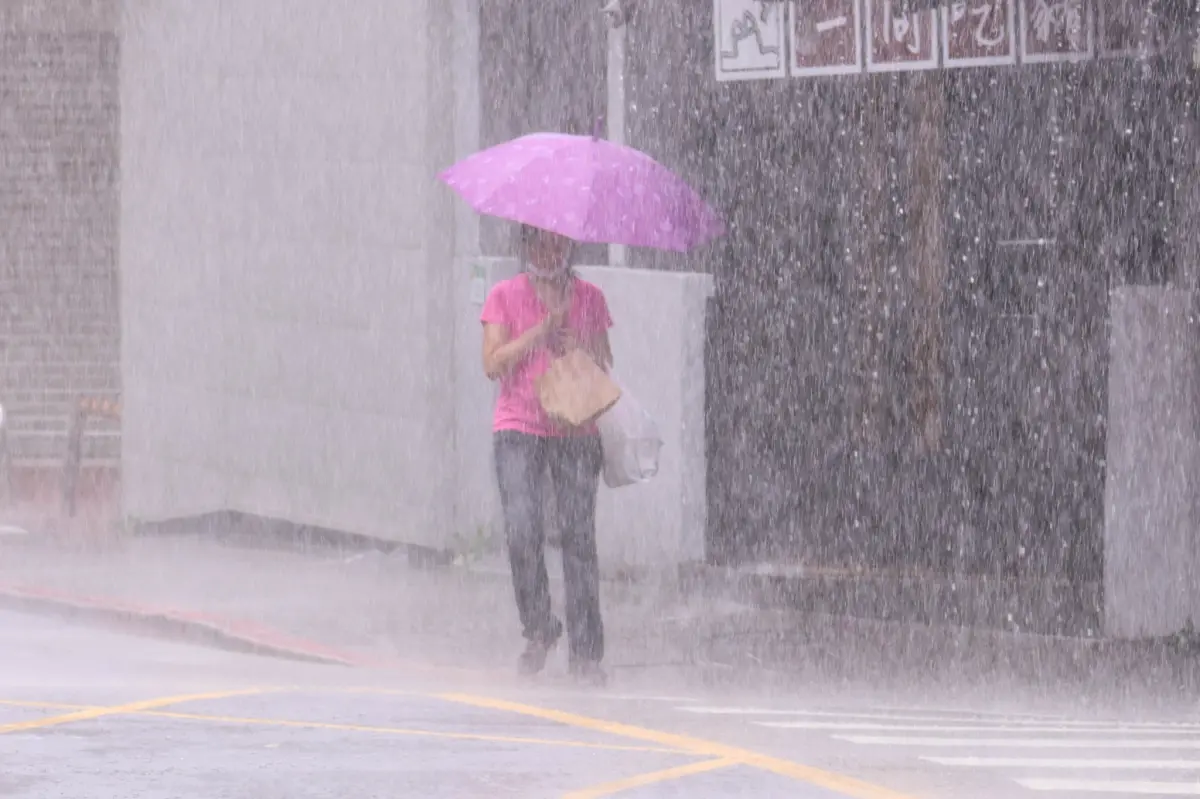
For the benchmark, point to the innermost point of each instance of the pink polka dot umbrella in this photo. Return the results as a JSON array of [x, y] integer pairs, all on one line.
[[587, 189]]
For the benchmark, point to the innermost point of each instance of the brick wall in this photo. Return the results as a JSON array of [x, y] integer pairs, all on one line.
[[59, 128]]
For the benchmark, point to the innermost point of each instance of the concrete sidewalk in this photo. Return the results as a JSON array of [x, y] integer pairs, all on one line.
[[370, 608]]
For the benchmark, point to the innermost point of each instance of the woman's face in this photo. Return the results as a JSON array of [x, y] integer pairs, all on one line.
[[549, 252]]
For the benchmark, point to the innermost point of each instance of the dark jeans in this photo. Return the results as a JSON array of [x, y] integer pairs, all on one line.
[[574, 464]]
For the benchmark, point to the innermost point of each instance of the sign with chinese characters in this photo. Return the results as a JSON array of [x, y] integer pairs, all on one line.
[[1056, 30], [979, 33], [826, 37], [1130, 28], [758, 39], [749, 39], [901, 34]]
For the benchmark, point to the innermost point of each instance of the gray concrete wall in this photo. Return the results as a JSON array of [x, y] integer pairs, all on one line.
[[1151, 543], [285, 257]]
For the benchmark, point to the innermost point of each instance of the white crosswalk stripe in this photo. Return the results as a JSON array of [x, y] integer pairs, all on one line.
[[1021, 743], [1122, 787], [1065, 763], [1130, 758], [880, 727], [941, 716]]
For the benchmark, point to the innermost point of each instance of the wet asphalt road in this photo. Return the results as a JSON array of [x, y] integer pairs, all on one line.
[[89, 713]]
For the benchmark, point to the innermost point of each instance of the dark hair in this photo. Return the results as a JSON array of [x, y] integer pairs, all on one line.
[[526, 235]]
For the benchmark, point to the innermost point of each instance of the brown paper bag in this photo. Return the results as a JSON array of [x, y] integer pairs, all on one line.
[[575, 391]]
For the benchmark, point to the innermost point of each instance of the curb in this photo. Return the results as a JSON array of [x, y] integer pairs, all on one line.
[[230, 634]]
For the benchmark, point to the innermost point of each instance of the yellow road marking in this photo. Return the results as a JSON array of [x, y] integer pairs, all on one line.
[[453, 736], [641, 780], [131, 707], [848, 786], [356, 728]]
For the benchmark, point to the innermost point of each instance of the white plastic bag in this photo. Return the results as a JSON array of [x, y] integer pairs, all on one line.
[[631, 442]]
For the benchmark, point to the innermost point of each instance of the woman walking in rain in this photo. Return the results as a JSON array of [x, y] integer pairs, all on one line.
[[573, 188], [543, 312]]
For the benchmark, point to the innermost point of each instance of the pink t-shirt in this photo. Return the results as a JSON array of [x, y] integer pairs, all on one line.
[[515, 304]]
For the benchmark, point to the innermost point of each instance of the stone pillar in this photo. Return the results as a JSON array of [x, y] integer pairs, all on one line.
[[615, 78], [1151, 544], [928, 260]]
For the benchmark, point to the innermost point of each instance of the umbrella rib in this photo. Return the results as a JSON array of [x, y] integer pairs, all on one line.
[[591, 209]]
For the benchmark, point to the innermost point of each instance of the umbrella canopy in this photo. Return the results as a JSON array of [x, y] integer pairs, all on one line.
[[587, 189]]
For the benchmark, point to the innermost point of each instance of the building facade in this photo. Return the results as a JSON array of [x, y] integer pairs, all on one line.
[[909, 365]]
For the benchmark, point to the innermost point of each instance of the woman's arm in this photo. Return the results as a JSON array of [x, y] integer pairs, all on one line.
[[500, 354], [599, 347], [602, 351]]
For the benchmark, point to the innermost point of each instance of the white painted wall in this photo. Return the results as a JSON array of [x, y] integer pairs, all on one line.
[[1151, 542], [285, 259], [658, 353]]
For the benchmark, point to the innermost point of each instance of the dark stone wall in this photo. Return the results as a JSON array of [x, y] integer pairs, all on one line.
[[542, 68], [899, 379]]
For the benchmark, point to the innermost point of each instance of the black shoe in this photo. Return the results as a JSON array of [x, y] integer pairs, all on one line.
[[533, 659], [589, 673]]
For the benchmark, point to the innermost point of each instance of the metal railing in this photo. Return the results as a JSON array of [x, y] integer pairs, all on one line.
[[84, 408]]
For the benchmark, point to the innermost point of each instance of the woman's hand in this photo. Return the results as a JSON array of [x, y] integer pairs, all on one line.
[[501, 354], [552, 325], [567, 340], [597, 347]]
